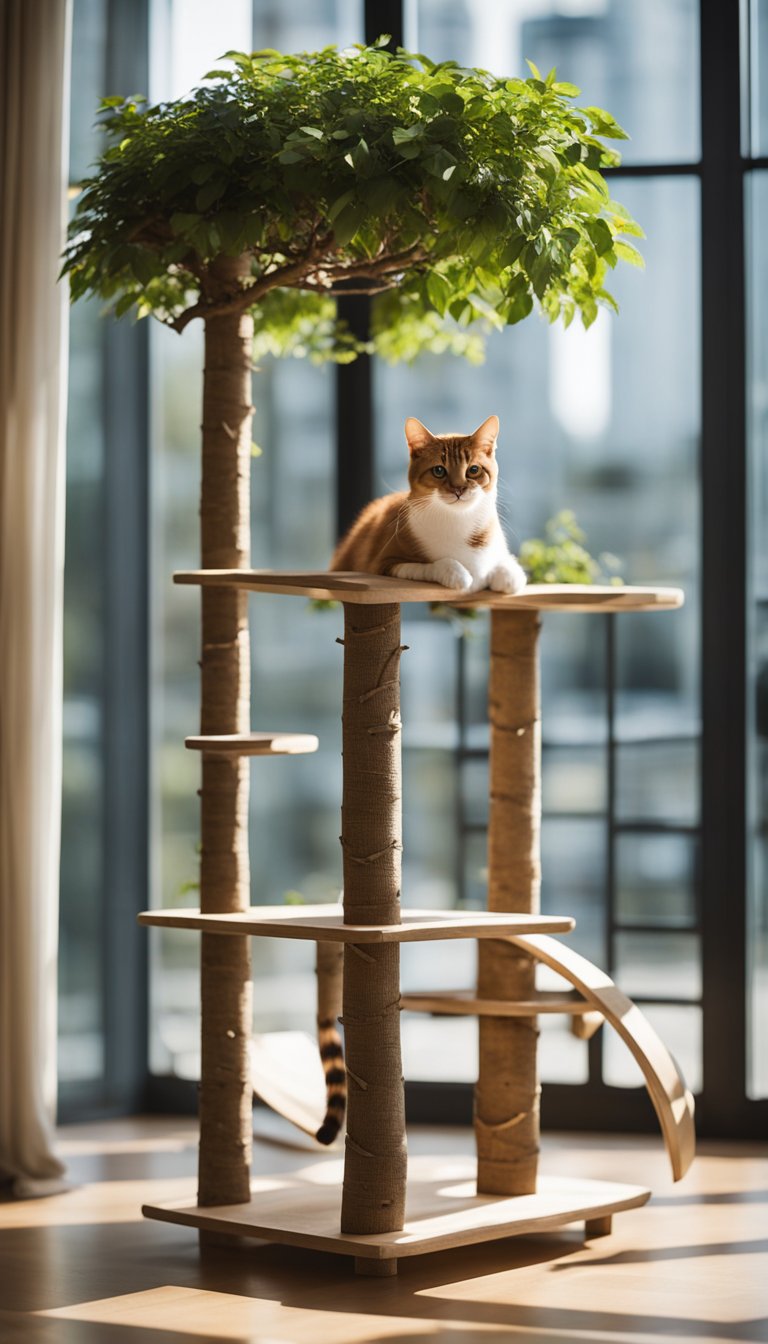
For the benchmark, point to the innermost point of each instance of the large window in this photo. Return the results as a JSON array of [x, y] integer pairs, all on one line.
[[615, 424]]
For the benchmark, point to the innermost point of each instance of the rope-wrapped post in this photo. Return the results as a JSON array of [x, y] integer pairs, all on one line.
[[507, 1092], [373, 1198], [225, 1088]]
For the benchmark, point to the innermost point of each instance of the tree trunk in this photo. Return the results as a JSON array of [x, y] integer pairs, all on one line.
[[507, 1093], [225, 1092], [373, 1198]]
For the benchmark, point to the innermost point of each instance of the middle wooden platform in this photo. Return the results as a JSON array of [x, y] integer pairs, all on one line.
[[325, 923]]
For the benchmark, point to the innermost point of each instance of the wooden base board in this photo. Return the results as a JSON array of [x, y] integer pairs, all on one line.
[[443, 1210]]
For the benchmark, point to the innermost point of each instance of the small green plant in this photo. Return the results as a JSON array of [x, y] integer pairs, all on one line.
[[560, 556], [293, 898]]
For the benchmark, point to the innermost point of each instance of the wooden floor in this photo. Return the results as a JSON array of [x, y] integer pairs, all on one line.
[[84, 1268]]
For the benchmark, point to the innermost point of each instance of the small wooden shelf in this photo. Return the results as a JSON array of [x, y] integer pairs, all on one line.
[[375, 588], [465, 1003], [443, 1210], [325, 923], [254, 744]]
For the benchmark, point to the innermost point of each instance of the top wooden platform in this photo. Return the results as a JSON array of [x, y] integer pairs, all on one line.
[[375, 588]]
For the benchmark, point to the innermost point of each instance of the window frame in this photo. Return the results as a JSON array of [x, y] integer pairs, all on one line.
[[724, 1108]]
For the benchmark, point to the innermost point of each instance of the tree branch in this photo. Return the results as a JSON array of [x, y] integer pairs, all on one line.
[[313, 266]]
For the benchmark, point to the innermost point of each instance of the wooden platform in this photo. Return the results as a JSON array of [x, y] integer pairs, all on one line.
[[254, 744], [375, 588], [465, 1003], [325, 923], [443, 1210]]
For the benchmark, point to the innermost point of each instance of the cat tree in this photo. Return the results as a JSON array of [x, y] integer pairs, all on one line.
[[448, 1204]]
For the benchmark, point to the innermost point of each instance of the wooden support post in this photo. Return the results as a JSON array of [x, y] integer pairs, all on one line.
[[373, 1198], [598, 1227], [507, 1092], [225, 1089]]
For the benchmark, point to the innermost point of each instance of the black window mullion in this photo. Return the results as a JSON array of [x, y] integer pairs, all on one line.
[[723, 577], [355, 443], [126, 696]]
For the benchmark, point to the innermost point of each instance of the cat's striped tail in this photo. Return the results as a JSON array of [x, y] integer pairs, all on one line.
[[330, 962]]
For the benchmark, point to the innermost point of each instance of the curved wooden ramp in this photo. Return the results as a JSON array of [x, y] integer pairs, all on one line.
[[286, 1073], [671, 1099]]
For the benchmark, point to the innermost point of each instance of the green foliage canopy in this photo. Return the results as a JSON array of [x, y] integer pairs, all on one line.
[[455, 197]]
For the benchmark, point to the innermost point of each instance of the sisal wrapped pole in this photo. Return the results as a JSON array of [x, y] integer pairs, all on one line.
[[225, 1087], [373, 1198], [507, 1092]]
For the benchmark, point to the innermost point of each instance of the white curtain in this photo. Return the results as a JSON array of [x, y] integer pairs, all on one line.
[[34, 47]]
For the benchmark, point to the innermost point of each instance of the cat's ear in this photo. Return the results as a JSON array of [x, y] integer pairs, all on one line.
[[417, 436], [485, 435]]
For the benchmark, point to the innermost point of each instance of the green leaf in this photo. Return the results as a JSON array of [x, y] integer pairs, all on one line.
[[402, 134], [182, 223], [383, 40], [452, 103], [313, 131], [361, 155], [604, 124], [339, 204], [566, 90], [347, 224], [210, 192], [600, 234], [125, 302], [439, 291], [533, 69], [201, 172], [511, 251], [256, 451], [628, 253]]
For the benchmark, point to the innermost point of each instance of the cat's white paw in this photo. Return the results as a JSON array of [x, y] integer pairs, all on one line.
[[452, 574], [507, 578]]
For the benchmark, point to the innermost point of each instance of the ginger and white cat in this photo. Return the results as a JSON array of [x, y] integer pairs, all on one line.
[[446, 528]]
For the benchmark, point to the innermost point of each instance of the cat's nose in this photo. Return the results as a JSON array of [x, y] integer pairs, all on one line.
[[458, 491]]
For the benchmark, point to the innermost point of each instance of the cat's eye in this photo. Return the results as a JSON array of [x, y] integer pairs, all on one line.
[[438, 471], [474, 470]]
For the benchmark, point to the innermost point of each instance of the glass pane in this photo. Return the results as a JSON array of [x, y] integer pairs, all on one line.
[[757, 693], [573, 880], [661, 965], [573, 780], [658, 781], [81, 1043], [89, 36], [655, 879], [475, 646], [631, 475], [296, 663], [638, 58], [439, 1049], [563, 1058], [758, 81], [476, 871], [681, 1031], [429, 683], [474, 791]]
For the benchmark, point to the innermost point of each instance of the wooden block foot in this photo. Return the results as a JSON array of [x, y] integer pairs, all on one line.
[[375, 1269], [598, 1227], [211, 1240]]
